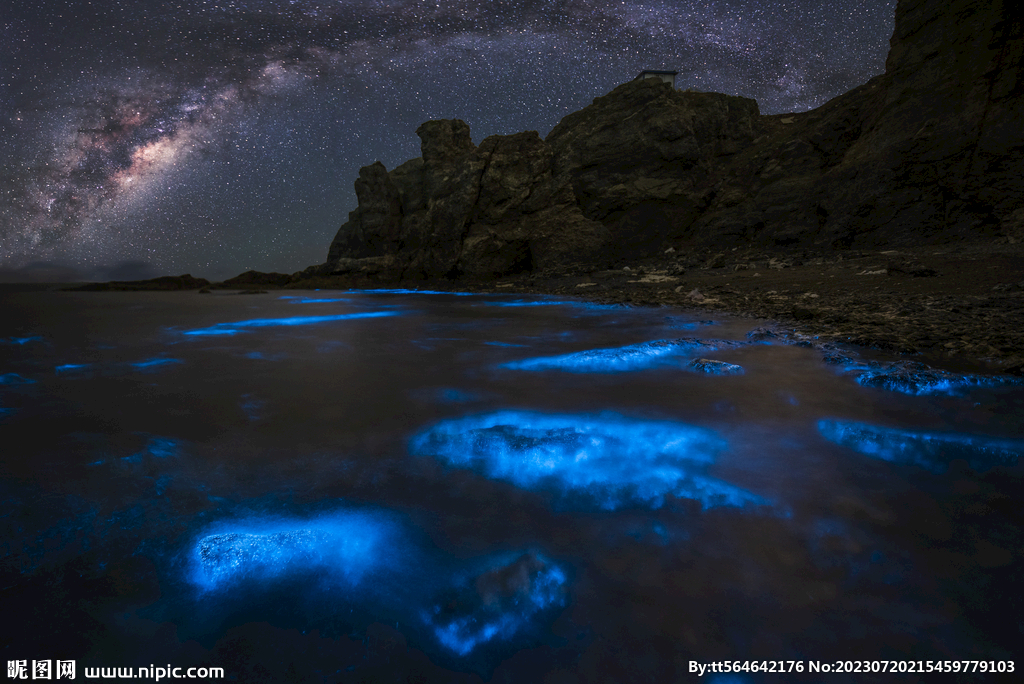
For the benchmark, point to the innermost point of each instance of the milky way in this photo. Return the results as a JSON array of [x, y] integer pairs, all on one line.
[[211, 137]]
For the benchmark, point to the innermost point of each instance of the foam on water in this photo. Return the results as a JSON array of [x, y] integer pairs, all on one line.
[[343, 549]]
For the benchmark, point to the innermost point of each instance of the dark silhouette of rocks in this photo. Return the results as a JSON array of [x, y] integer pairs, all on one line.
[[247, 280], [182, 282], [932, 151]]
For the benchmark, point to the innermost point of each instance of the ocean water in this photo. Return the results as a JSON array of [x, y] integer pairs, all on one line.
[[405, 486]]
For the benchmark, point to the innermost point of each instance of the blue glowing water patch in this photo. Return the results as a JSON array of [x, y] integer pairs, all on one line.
[[156, 447], [929, 450], [20, 341], [241, 326], [423, 292], [155, 363], [503, 344], [497, 604], [314, 300], [713, 367], [621, 359], [451, 395], [252, 407], [527, 302], [342, 548], [68, 368], [915, 378], [608, 460], [14, 379]]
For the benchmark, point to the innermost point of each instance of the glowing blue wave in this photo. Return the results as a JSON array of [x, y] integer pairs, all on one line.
[[241, 326], [154, 363], [314, 300], [14, 379], [929, 450], [915, 378], [498, 603], [423, 292], [342, 549], [528, 302], [610, 460], [21, 340], [70, 368], [621, 359]]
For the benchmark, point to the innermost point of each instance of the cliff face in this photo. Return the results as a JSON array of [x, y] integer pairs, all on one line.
[[933, 150]]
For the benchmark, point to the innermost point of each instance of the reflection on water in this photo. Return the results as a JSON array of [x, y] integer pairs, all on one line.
[[416, 486]]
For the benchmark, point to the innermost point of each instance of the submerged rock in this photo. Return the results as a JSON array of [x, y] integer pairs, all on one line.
[[713, 367], [931, 450], [913, 377], [498, 604]]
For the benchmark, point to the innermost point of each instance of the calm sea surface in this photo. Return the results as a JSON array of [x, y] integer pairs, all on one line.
[[395, 486]]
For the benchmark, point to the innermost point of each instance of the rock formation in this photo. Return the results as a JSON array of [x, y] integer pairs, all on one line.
[[930, 151]]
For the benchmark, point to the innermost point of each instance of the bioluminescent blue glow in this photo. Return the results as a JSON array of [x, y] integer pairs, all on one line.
[[157, 447], [14, 379], [498, 603], [713, 367], [451, 395], [314, 300], [241, 326], [610, 460], [915, 378], [21, 340], [252, 406], [342, 548], [528, 302], [155, 363], [621, 359], [930, 450], [503, 344], [71, 368], [423, 292]]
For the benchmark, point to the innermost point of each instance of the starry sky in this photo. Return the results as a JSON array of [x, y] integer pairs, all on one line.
[[142, 138]]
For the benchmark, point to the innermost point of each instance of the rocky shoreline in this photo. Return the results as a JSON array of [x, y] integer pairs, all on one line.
[[956, 306]]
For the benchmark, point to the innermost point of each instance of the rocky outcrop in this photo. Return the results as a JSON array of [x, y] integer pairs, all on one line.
[[464, 210], [930, 151]]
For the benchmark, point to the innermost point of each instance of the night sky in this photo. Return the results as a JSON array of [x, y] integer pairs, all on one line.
[[142, 138]]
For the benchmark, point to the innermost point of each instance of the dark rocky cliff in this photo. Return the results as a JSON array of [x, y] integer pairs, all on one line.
[[931, 151]]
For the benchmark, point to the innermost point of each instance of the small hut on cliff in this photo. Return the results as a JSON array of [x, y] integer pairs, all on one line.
[[666, 76]]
